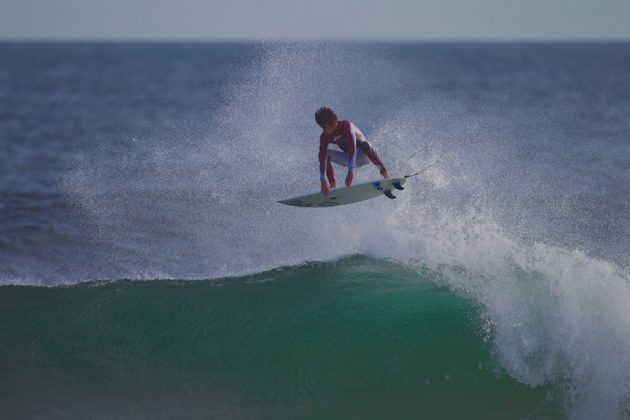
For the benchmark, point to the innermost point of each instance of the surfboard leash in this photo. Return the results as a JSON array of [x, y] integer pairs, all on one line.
[[423, 169]]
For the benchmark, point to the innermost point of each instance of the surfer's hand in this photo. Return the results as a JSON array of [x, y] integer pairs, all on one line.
[[349, 179], [325, 188], [386, 174]]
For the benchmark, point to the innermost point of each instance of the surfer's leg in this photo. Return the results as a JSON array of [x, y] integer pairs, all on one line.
[[338, 157], [362, 159], [341, 158]]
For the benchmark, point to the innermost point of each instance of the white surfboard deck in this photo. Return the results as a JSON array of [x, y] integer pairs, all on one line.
[[353, 194]]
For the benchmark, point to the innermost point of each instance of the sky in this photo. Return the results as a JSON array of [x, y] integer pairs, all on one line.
[[315, 20]]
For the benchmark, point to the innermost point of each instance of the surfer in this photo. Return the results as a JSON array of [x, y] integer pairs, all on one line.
[[355, 150]]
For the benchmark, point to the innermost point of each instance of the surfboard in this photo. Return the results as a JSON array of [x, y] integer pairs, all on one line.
[[355, 193]]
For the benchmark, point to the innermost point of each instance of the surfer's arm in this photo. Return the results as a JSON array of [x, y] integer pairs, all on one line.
[[325, 166], [330, 174], [352, 153], [371, 154], [377, 162]]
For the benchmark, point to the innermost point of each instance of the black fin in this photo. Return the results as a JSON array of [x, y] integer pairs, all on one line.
[[398, 186], [389, 194]]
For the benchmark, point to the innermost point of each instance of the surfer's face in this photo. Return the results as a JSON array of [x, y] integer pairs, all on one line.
[[329, 128]]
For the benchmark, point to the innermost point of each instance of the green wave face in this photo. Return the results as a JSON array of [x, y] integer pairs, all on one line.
[[354, 339]]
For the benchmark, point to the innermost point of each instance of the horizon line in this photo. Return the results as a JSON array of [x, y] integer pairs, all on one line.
[[311, 40]]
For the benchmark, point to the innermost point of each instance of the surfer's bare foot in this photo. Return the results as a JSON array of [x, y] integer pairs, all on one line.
[[386, 174], [333, 183]]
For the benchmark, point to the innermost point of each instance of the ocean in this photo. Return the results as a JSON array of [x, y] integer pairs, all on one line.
[[147, 270]]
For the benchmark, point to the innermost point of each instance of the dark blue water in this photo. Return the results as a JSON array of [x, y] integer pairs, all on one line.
[[165, 161]]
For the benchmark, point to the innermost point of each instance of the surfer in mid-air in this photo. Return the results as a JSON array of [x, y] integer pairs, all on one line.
[[355, 150]]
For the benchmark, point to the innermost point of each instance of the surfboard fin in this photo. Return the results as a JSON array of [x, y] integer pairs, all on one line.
[[389, 194], [398, 186]]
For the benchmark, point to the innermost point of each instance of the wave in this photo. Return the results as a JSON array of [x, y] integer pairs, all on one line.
[[550, 319], [359, 336]]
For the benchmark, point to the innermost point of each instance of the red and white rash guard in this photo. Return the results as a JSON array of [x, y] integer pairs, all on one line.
[[348, 138]]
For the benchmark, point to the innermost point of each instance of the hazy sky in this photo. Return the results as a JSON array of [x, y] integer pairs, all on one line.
[[316, 19]]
